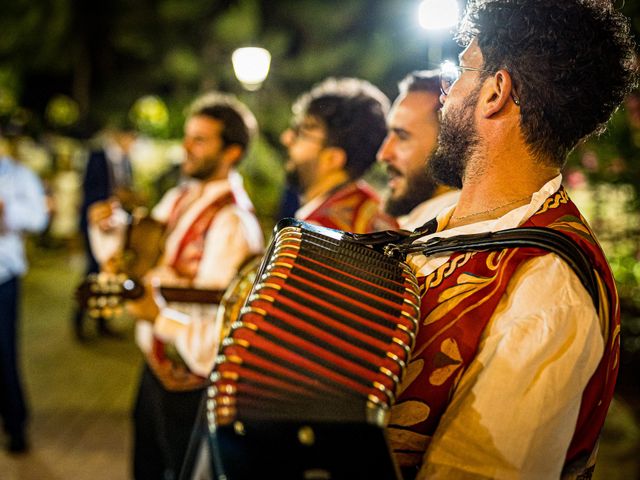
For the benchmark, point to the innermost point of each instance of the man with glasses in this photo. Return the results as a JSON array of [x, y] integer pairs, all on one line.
[[337, 129], [412, 134], [514, 367]]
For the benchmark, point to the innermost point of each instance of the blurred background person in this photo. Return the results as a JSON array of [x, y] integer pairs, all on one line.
[[414, 197], [108, 174], [23, 208], [337, 129]]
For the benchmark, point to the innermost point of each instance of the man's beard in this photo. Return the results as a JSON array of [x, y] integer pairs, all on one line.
[[206, 170], [420, 187], [457, 142], [301, 175]]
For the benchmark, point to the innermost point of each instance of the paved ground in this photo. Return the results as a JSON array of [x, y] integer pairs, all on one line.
[[81, 394]]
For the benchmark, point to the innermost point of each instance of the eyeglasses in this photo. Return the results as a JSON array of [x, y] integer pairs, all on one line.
[[302, 131], [450, 73]]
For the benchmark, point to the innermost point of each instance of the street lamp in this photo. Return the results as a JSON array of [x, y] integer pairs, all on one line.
[[438, 14], [251, 66]]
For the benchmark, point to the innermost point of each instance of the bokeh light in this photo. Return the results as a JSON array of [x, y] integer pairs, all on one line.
[[251, 66], [438, 14]]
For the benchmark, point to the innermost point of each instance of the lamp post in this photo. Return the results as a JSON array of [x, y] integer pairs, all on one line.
[[437, 16], [251, 66]]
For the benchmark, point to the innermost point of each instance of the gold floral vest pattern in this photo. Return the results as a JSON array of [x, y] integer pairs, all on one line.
[[355, 207], [458, 299]]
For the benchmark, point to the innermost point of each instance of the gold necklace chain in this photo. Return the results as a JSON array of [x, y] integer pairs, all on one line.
[[454, 217]]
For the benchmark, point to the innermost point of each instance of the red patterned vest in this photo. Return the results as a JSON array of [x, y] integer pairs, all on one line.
[[353, 208], [458, 300], [186, 259], [165, 362]]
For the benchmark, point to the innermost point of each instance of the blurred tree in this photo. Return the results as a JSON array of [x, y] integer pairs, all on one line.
[[106, 55]]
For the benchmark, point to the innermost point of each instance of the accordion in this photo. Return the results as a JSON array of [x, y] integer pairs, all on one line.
[[308, 371]]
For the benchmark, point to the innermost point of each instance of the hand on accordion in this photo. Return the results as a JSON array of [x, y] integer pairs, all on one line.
[[174, 374]]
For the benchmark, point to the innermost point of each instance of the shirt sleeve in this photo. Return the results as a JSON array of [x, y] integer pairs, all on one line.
[[233, 237], [163, 208], [105, 244], [27, 210], [514, 411]]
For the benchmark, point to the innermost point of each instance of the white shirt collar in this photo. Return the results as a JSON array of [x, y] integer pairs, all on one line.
[[308, 208], [511, 219]]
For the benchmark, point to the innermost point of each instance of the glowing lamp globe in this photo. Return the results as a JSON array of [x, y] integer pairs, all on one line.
[[438, 14], [251, 66]]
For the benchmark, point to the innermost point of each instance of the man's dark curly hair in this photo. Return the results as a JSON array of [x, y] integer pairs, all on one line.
[[353, 113], [571, 61]]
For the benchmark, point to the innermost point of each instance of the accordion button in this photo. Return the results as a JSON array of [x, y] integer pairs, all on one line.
[[306, 436], [238, 427]]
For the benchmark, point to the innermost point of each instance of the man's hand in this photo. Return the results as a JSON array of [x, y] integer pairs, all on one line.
[[129, 199], [101, 214], [146, 307], [175, 377], [167, 277]]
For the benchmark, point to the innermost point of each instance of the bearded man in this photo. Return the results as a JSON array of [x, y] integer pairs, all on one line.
[[210, 231], [514, 367], [412, 133], [337, 129]]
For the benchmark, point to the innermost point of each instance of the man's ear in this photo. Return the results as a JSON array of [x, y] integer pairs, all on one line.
[[232, 154], [334, 158], [496, 93]]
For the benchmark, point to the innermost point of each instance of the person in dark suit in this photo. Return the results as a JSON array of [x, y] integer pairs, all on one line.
[[108, 175]]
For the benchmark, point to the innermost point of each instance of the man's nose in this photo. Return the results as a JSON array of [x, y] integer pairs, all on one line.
[[286, 137], [385, 151]]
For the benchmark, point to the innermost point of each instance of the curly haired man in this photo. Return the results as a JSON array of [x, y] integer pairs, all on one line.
[[514, 367]]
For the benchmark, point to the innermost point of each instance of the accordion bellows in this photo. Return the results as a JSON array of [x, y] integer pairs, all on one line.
[[324, 337]]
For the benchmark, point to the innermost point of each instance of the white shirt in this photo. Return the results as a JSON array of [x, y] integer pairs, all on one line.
[[514, 412], [427, 210], [117, 157], [233, 236], [25, 210]]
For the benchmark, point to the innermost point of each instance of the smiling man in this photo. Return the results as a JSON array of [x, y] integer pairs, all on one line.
[[210, 231], [412, 134], [514, 365]]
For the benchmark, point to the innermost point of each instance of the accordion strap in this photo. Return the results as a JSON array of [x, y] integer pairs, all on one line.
[[537, 237], [400, 243]]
